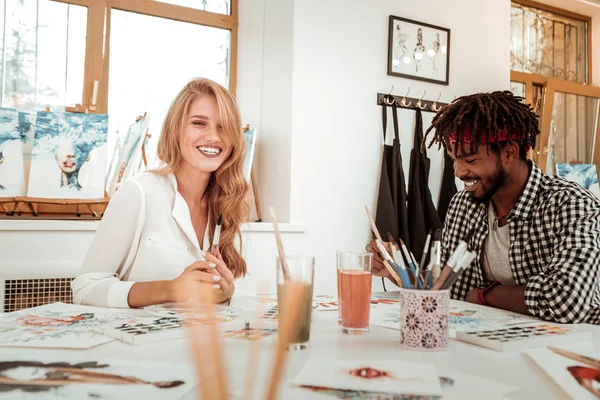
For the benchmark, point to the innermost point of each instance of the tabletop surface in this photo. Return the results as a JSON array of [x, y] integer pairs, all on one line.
[[328, 342]]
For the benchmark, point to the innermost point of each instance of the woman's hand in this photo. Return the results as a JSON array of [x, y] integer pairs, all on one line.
[[226, 286], [207, 272]]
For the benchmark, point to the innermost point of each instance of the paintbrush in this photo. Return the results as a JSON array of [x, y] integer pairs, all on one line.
[[409, 259], [283, 260], [288, 325], [423, 259], [390, 265], [373, 227], [453, 260], [434, 263], [396, 253], [462, 265], [255, 345], [577, 357], [216, 387], [214, 247]]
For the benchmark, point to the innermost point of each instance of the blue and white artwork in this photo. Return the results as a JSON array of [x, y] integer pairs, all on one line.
[[16, 139], [130, 154], [250, 136], [69, 156], [585, 175]]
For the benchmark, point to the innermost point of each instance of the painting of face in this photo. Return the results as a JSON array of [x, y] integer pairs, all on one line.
[[65, 158], [204, 144], [69, 156]]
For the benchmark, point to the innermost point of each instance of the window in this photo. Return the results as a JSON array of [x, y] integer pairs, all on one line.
[[121, 57], [151, 59], [550, 52], [548, 43], [42, 54]]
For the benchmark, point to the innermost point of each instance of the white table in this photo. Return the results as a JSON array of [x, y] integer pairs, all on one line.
[[327, 341]]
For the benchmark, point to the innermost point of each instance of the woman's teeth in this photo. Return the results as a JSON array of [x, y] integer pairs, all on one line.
[[209, 150]]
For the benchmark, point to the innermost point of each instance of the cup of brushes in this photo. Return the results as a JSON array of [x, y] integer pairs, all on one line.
[[424, 290]]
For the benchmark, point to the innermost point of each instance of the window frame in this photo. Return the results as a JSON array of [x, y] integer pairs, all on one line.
[[97, 53], [553, 85]]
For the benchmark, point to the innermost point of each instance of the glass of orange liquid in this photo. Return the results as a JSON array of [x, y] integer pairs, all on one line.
[[354, 269], [339, 298]]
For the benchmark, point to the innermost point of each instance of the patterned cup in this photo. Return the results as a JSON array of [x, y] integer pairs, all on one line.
[[424, 316]]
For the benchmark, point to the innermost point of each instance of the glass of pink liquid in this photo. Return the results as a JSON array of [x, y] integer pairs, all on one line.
[[355, 290]]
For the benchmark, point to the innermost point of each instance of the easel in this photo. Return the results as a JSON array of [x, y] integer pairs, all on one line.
[[24, 207], [254, 187], [146, 137]]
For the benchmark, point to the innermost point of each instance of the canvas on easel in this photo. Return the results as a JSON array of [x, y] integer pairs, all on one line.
[[69, 156], [16, 139], [251, 136], [130, 154]]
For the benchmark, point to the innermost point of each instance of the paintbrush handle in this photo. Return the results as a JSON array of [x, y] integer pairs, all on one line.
[[443, 276], [393, 273], [577, 357]]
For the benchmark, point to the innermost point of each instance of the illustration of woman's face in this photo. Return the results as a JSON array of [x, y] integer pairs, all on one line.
[[65, 158]]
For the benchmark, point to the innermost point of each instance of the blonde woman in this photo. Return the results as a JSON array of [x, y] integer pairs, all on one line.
[[151, 246]]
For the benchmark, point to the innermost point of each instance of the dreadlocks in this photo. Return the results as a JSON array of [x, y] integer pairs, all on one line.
[[483, 116]]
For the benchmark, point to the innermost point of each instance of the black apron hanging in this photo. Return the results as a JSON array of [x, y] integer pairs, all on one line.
[[448, 189], [422, 214], [391, 202]]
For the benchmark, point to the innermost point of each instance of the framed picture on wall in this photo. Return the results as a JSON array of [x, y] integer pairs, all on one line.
[[418, 51]]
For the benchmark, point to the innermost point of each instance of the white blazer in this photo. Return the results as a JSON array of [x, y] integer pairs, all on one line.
[[146, 234]]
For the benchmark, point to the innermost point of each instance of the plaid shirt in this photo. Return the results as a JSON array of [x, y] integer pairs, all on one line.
[[554, 247]]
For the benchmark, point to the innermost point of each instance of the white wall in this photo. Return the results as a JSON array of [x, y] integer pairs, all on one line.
[[340, 55]]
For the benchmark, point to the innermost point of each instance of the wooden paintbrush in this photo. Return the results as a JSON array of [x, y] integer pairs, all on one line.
[[213, 387], [283, 260], [255, 347], [288, 325], [577, 357], [373, 226]]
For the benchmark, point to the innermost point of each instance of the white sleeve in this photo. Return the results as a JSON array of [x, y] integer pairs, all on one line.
[[112, 251]]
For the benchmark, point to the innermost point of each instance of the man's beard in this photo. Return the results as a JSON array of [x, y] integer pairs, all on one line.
[[496, 182]]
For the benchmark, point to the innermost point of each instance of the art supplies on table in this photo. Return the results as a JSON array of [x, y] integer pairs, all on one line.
[[251, 334], [181, 310], [466, 317], [151, 330], [73, 376], [394, 377], [60, 325], [455, 386], [519, 337], [578, 379]]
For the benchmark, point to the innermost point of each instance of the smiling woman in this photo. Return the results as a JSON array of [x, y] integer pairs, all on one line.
[[152, 245]]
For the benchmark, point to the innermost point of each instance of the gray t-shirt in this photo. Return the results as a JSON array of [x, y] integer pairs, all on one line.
[[496, 266]]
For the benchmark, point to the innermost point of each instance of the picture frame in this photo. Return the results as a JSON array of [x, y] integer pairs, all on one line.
[[418, 51]]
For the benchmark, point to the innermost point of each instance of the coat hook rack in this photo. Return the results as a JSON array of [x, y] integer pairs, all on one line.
[[410, 103]]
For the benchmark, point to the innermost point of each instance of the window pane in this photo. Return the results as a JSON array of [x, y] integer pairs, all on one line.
[[549, 44], [151, 59], [573, 129], [517, 88], [43, 54], [216, 6]]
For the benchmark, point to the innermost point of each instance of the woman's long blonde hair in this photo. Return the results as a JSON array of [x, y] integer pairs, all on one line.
[[227, 187]]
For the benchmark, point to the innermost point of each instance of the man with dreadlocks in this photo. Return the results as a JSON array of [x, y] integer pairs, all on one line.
[[537, 237]]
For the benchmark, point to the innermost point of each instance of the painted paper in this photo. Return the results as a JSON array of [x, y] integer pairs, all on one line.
[[69, 156], [60, 325], [16, 141]]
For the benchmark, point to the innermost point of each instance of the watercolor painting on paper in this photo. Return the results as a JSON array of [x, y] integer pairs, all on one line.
[[16, 141], [60, 325], [85, 378], [69, 156]]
